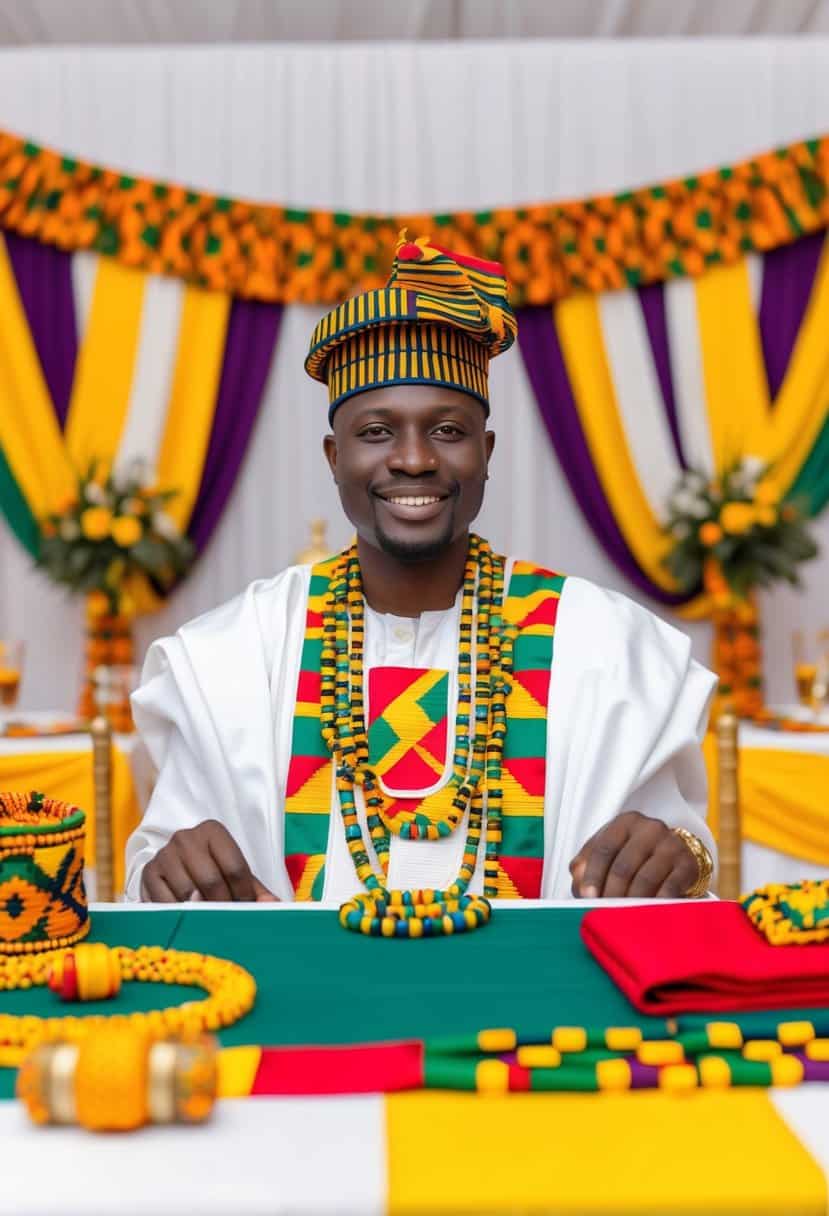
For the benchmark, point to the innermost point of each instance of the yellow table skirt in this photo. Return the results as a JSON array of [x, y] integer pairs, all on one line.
[[67, 775], [784, 799]]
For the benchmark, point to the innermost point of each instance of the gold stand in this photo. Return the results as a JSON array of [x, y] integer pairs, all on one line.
[[730, 843], [101, 733]]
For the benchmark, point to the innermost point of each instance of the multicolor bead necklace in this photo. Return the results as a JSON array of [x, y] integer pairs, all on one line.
[[476, 764]]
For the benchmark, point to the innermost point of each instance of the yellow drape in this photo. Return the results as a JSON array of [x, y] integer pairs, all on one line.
[[782, 798], [740, 418], [193, 398], [736, 389], [106, 362], [29, 433], [578, 323]]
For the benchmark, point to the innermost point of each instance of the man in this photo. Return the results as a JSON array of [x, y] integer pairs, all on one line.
[[492, 724]]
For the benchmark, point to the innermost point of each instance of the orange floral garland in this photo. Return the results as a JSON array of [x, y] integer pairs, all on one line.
[[549, 250]]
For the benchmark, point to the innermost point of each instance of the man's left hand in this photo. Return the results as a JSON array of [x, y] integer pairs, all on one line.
[[636, 857]]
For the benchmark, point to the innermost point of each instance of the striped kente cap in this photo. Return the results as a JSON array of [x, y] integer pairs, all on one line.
[[439, 320]]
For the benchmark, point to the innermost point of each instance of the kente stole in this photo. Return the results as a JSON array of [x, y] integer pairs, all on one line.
[[530, 605]]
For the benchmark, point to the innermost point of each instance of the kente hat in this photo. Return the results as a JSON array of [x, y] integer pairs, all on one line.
[[439, 320]]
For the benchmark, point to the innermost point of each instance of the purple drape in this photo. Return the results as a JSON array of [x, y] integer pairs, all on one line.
[[788, 275], [544, 361], [44, 281], [252, 331], [652, 303]]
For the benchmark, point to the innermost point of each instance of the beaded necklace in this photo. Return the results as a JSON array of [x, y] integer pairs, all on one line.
[[476, 763]]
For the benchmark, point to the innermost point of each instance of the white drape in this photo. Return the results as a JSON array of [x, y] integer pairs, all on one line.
[[141, 21], [421, 126]]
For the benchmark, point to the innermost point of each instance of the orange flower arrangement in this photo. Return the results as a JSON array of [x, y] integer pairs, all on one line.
[[114, 529], [731, 536]]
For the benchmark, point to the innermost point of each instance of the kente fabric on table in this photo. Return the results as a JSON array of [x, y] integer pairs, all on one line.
[[686, 957], [216, 709], [408, 724]]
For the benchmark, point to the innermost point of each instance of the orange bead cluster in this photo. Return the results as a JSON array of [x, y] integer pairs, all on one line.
[[109, 643]]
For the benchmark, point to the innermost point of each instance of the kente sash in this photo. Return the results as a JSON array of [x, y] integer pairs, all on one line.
[[530, 605]]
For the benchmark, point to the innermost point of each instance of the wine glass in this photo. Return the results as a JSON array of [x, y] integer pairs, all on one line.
[[811, 668], [11, 670]]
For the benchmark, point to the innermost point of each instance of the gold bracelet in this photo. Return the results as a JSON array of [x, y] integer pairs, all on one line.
[[704, 860]]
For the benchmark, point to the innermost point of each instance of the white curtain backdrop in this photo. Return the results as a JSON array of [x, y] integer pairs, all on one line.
[[401, 127], [140, 21]]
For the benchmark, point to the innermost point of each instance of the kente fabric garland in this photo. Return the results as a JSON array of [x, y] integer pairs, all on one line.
[[515, 795], [550, 250]]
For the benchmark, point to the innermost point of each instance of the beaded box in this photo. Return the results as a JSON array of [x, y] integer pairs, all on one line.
[[42, 897]]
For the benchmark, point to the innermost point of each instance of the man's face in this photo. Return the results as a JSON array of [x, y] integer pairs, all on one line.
[[410, 462]]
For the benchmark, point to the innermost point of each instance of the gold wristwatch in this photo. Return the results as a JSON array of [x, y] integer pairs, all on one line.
[[704, 860]]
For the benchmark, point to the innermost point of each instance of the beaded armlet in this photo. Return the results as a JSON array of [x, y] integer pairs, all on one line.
[[790, 914]]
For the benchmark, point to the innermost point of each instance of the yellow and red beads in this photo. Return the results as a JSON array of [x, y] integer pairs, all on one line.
[[232, 992], [90, 972]]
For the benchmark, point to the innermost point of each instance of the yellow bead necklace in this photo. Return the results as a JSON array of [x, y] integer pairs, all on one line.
[[232, 991]]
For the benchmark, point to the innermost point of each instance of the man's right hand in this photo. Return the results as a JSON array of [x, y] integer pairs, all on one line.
[[204, 859]]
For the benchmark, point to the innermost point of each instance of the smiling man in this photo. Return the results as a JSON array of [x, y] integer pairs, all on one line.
[[419, 712]]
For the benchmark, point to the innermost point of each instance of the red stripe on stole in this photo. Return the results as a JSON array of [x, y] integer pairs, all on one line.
[[525, 873], [302, 769], [309, 686], [537, 684], [529, 772], [295, 864], [381, 1068], [313, 620], [543, 613]]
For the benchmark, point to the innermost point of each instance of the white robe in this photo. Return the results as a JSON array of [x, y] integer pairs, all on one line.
[[627, 709]]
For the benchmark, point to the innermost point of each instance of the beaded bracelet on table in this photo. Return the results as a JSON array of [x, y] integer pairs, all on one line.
[[232, 992], [474, 767], [686, 1055]]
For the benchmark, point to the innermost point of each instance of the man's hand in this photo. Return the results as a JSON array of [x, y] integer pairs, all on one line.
[[633, 856], [206, 859]]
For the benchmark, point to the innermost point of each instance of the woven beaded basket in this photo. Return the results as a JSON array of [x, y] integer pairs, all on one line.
[[42, 897]]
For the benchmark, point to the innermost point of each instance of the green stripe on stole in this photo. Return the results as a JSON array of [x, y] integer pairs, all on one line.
[[530, 605]]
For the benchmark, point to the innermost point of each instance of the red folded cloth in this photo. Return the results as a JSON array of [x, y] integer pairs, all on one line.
[[685, 957]]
